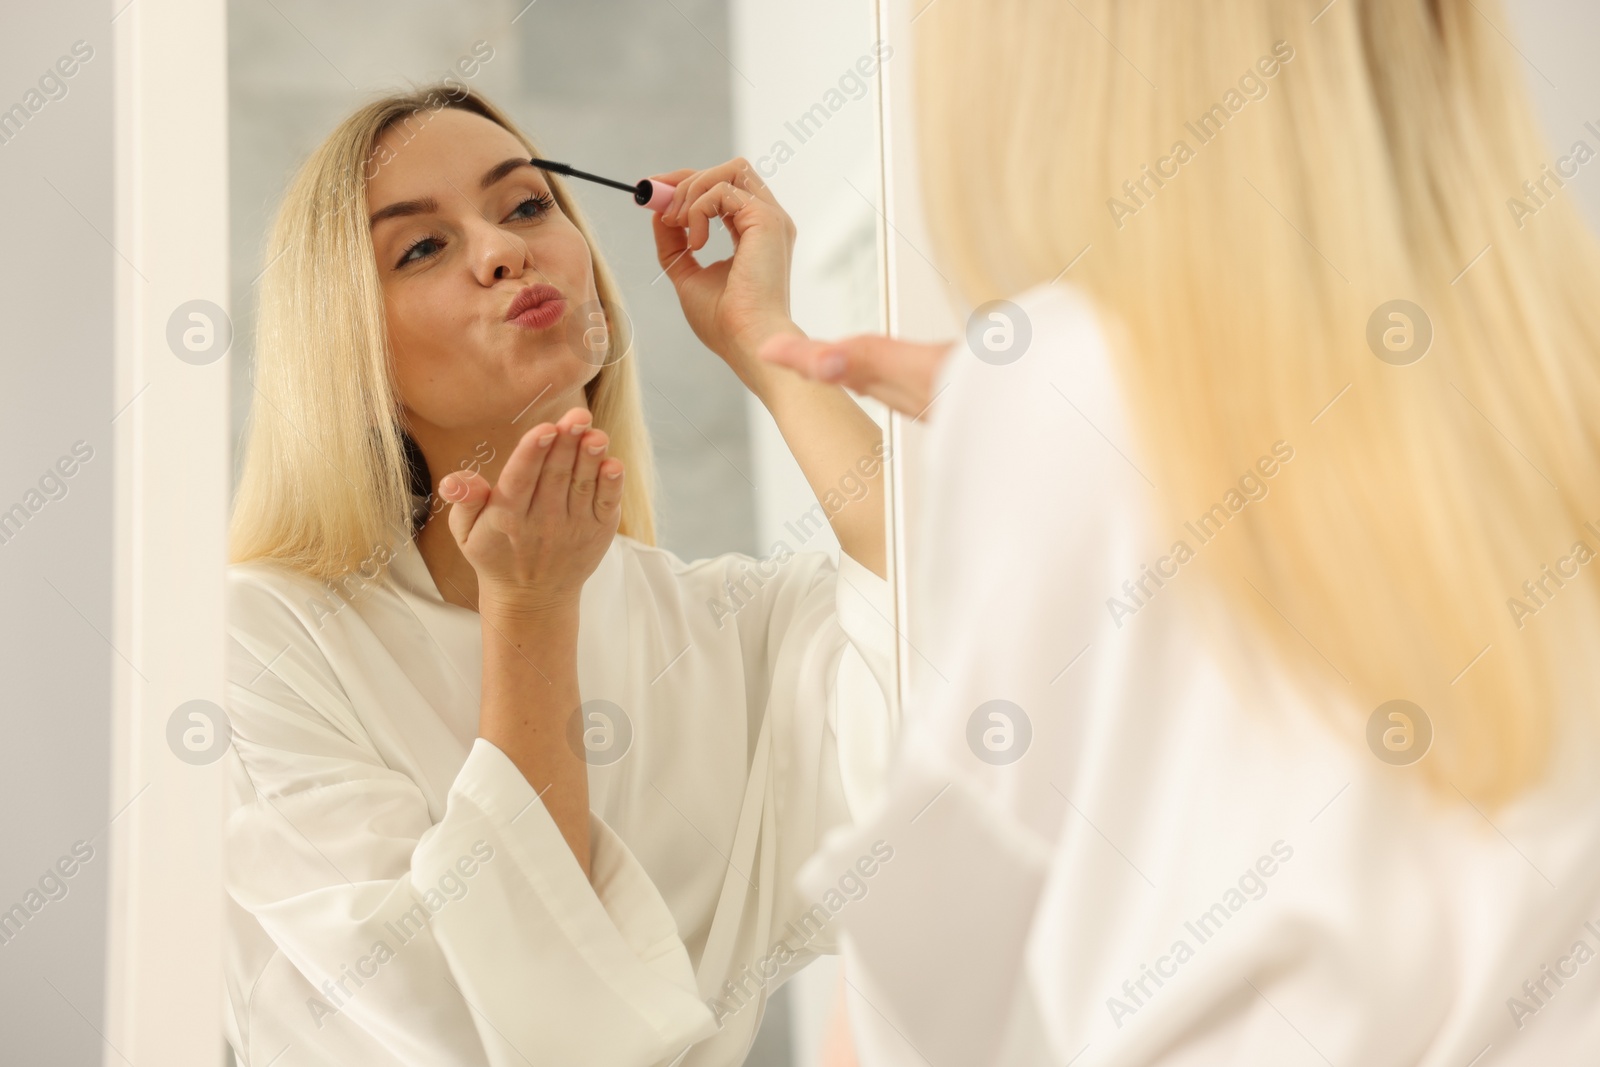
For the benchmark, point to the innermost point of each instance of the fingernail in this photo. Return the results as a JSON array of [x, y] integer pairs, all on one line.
[[614, 475], [580, 429], [831, 365], [450, 487], [595, 450], [544, 442]]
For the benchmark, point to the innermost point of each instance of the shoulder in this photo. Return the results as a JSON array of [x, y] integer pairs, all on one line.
[[294, 648], [1047, 349], [277, 615], [262, 593], [1030, 412], [1031, 507]]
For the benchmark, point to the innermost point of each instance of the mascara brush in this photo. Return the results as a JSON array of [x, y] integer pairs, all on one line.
[[651, 194]]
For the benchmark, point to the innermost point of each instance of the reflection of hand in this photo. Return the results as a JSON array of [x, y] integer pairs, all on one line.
[[899, 373], [537, 535], [736, 303]]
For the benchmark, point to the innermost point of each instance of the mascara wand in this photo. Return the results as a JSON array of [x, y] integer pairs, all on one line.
[[651, 194]]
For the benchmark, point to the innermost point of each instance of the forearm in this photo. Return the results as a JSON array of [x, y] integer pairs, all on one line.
[[530, 692], [836, 443]]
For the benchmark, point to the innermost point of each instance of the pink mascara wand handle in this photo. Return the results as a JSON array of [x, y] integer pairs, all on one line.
[[654, 195]]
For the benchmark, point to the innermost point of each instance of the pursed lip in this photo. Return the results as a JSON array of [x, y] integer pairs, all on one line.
[[532, 296]]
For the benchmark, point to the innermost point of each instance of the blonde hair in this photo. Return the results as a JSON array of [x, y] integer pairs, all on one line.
[[329, 470], [1377, 161]]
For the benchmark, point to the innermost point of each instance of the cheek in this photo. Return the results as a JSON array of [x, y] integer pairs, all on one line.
[[421, 320], [561, 253], [419, 314]]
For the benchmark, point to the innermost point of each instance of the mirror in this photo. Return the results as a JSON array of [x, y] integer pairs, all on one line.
[[625, 90]]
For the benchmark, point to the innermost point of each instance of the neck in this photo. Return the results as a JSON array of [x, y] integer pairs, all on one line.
[[483, 448]]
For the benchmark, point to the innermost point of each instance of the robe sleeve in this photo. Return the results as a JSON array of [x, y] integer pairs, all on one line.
[[475, 939], [818, 646]]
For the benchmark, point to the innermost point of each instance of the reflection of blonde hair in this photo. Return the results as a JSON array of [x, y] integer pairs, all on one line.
[[1376, 164], [326, 483]]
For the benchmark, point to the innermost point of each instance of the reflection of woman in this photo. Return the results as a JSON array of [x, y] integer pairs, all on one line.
[[1242, 528], [435, 855]]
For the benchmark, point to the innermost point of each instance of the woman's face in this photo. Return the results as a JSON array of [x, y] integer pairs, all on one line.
[[482, 229]]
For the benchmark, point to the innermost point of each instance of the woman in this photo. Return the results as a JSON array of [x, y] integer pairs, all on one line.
[[1254, 720], [511, 784]]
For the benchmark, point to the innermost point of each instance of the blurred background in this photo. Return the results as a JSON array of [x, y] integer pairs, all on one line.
[[624, 88]]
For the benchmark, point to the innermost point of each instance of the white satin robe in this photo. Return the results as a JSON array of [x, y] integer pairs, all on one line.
[[397, 894], [1033, 911]]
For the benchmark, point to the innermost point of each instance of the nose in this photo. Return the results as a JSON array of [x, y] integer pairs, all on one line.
[[496, 253]]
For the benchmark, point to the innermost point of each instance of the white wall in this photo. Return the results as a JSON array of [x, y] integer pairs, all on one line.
[[55, 571], [1554, 43]]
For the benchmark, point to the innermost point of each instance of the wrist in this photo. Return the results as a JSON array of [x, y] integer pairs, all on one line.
[[757, 373], [522, 609]]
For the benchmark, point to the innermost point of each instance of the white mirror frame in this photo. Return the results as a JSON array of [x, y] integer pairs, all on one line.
[[170, 202]]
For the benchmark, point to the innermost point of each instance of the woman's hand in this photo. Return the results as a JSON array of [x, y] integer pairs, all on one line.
[[736, 303], [537, 535], [902, 374]]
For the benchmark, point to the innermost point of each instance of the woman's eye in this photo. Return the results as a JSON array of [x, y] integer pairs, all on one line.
[[541, 204], [406, 257]]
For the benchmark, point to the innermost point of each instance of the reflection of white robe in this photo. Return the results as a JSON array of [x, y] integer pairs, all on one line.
[[361, 793], [1157, 800]]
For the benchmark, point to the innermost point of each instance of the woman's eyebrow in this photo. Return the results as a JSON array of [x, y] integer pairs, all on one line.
[[427, 205], [501, 169], [423, 206]]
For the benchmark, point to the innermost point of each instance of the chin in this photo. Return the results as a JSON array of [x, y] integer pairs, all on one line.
[[541, 382]]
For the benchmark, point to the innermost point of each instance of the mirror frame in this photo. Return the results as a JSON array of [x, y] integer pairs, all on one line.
[[164, 989]]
